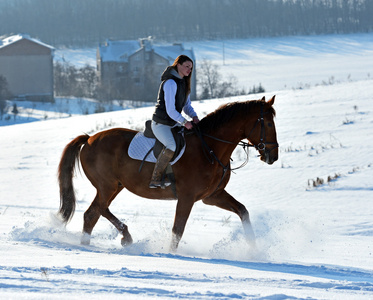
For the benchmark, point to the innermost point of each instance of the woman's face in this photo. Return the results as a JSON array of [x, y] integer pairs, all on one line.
[[185, 68]]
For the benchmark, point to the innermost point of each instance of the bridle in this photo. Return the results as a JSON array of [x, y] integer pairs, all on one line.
[[261, 146]]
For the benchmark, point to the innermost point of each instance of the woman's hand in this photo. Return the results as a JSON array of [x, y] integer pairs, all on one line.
[[195, 120], [188, 125]]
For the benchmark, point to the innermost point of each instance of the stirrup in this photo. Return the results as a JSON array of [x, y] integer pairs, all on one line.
[[162, 184], [154, 185]]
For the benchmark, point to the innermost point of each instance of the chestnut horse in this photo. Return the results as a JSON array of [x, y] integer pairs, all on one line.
[[201, 173]]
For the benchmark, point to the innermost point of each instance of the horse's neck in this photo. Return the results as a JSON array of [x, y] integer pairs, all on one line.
[[226, 141]]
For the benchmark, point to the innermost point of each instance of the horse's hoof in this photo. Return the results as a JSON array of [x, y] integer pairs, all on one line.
[[174, 245], [126, 241], [85, 239]]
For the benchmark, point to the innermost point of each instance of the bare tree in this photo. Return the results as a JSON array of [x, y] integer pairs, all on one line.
[[212, 85], [209, 79], [88, 81], [15, 111], [72, 81], [4, 94]]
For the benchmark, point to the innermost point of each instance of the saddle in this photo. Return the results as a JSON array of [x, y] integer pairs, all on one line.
[[145, 147], [177, 132]]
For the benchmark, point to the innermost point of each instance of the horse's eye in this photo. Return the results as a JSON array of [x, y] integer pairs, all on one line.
[[269, 124]]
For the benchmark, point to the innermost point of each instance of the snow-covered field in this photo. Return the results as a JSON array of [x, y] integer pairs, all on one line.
[[314, 242]]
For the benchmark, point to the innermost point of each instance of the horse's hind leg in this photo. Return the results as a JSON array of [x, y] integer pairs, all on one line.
[[225, 201], [99, 207], [107, 195], [122, 228], [91, 217]]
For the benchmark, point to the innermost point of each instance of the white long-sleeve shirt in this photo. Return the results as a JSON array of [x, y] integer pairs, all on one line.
[[170, 88]]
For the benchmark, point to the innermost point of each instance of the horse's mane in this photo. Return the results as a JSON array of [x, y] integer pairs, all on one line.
[[228, 111]]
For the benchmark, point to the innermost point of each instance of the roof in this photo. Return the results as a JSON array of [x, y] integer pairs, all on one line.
[[170, 52], [15, 38], [120, 51]]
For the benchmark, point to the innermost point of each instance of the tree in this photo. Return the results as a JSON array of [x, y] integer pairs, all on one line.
[[212, 84], [209, 79], [256, 90], [4, 94], [70, 22], [15, 110], [88, 81], [72, 81]]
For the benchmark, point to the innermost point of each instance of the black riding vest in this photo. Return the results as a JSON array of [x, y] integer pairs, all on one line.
[[160, 114]]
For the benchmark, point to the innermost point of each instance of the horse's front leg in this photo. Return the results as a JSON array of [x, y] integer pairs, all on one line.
[[225, 201], [183, 209]]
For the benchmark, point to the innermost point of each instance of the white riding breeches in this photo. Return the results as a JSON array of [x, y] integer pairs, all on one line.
[[164, 135]]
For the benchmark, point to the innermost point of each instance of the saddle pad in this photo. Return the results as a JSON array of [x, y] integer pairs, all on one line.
[[140, 146]]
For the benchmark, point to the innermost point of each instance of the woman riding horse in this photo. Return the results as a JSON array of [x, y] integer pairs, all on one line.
[[106, 163]]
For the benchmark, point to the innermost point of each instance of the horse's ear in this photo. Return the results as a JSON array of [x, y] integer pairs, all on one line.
[[272, 100], [264, 98]]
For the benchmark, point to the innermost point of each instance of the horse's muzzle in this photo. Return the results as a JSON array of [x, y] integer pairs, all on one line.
[[269, 156]]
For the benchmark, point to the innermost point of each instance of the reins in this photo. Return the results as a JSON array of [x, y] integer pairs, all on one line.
[[209, 153]]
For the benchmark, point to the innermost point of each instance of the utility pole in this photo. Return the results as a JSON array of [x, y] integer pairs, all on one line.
[[223, 54]]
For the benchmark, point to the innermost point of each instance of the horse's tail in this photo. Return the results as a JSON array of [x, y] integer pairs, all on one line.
[[70, 157]]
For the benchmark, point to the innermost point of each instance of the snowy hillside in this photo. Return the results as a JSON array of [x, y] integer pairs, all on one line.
[[276, 63], [311, 210]]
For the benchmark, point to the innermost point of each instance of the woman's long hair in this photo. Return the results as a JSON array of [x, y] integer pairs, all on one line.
[[188, 79]]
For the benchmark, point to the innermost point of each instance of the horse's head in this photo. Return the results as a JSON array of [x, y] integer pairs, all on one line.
[[262, 135]]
